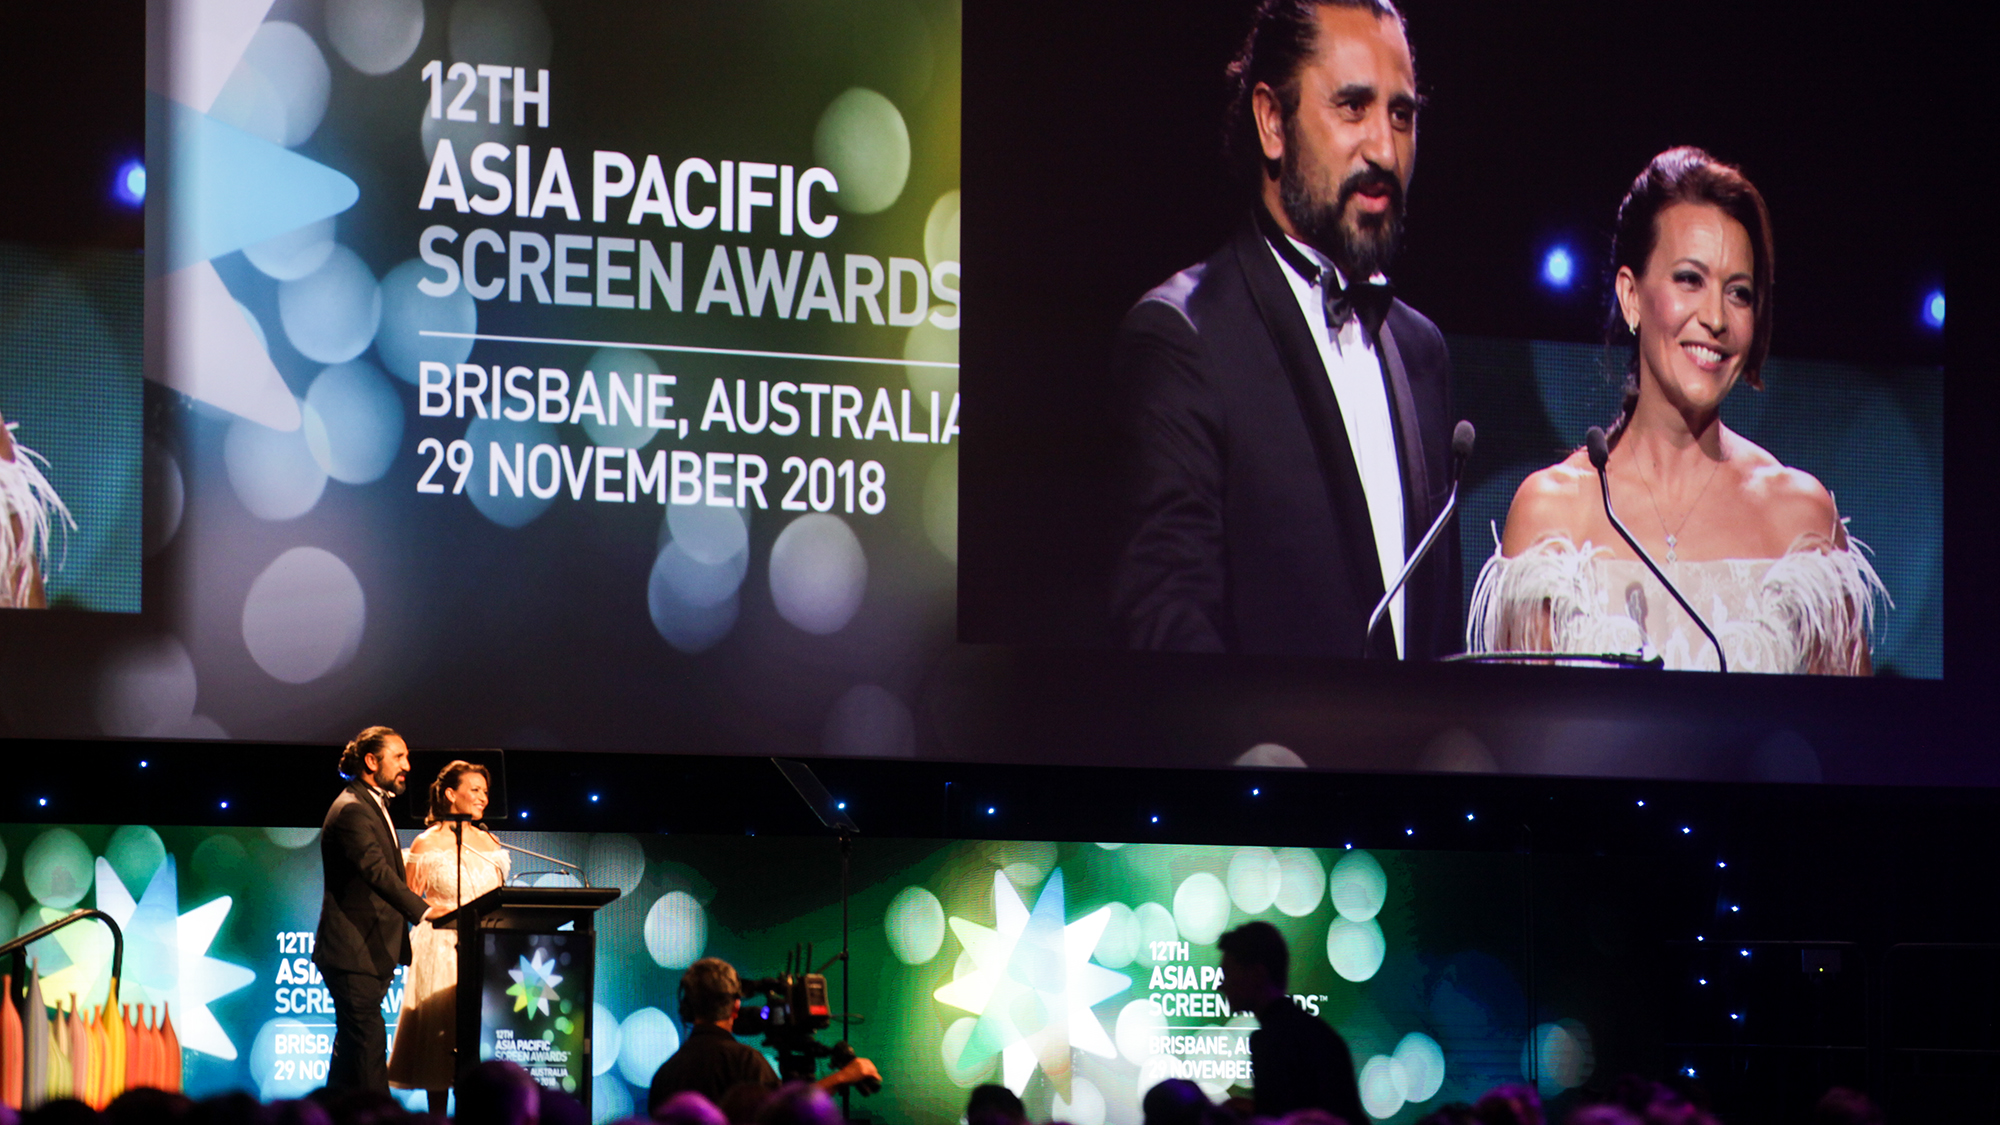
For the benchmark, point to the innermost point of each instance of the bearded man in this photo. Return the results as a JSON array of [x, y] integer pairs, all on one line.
[[1291, 419]]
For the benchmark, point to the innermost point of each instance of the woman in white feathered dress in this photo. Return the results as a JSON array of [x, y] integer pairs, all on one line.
[[423, 1057], [29, 509], [1759, 549]]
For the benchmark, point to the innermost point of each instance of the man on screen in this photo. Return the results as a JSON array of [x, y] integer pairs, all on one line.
[[367, 907], [1292, 420]]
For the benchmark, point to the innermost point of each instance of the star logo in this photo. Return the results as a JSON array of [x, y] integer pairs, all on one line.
[[1033, 986], [166, 955], [534, 984]]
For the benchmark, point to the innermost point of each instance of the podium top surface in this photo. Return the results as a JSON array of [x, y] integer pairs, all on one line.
[[510, 907]]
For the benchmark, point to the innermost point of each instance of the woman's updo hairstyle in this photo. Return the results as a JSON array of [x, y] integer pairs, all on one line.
[[1690, 175], [447, 780]]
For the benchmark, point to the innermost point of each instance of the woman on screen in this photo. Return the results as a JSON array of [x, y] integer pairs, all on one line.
[[28, 508], [422, 1058], [1757, 548]]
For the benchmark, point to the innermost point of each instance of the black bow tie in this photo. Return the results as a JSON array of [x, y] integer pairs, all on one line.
[[1368, 300]]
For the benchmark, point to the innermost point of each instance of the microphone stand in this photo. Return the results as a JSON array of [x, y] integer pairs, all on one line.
[[1600, 456], [1462, 437], [585, 879]]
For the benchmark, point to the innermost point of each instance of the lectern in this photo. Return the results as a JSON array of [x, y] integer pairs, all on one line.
[[526, 970]]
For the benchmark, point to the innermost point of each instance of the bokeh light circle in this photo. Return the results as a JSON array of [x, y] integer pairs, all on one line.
[[1084, 1106], [296, 1081], [1254, 879], [941, 229], [1422, 1060], [646, 1039], [964, 1072], [1156, 925], [304, 615], [295, 253], [353, 422], [291, 839], [926, 344], [508, 32], [134, 853], [408, 312], [147, 687], [1358, 886], [1355, 949], [1301, 882], [818, 573], [1381, 1084], [862, 140], [693, 605], [710, 536], [1201, 908], [273, 472], [604, 1040], [57, 868], [165, 491], [915, 926], [869, 721], [1140, 1024], [941, 503], [280, 86], [1563, 1056], [610, 1098], [1270, 755], [500, 504], [615, 859], [330, 315], [676, 933], [1119, 943], [375, 36], [622, 364]]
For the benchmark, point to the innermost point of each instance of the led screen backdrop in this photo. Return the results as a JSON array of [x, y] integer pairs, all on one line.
[[521, 352], [70, 398], [1078, 974]]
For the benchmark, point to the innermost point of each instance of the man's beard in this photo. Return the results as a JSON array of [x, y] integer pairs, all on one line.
[[393, 786], [1362, 250]]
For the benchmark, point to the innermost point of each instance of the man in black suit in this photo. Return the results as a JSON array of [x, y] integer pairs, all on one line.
[[1292, 421], [367, 908], [1296, 1060]]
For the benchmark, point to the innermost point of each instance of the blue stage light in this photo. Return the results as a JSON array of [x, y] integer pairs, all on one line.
[[225, 804], [1468, 816], [1722, 863], [128, 185], [44, 802], [840, 805], [1642, 804], [1934, 309], [142, 763], [990, 810], [1685, 830], [1156, 820], [1409, 831], [1701, 980], [1734, 909], [1255, 792], [1558, 268], [593, 798]]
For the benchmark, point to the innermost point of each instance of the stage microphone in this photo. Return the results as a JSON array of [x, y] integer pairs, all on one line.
[[1599, 449], [584, 879], [1462, 436]]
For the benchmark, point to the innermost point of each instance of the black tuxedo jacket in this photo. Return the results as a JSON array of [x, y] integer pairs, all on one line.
[[367, 908], [1249, 527]]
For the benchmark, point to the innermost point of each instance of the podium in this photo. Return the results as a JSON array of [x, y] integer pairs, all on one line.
[[525, 982]]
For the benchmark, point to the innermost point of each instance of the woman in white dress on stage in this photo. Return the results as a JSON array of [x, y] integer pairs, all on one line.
[[1757, 547], [423, 1057]]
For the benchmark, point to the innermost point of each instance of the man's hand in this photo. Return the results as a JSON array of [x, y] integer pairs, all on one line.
[[436, 912], [858, 1071]]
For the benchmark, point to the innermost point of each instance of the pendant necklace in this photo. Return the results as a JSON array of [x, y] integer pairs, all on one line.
[[1673, 533]]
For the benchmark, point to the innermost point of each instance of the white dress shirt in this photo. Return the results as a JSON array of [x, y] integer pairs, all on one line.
[[381, 802], [1356, 376]]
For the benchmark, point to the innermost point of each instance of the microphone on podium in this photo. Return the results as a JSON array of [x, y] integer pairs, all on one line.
[[1598, 447], [1462, 436]]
